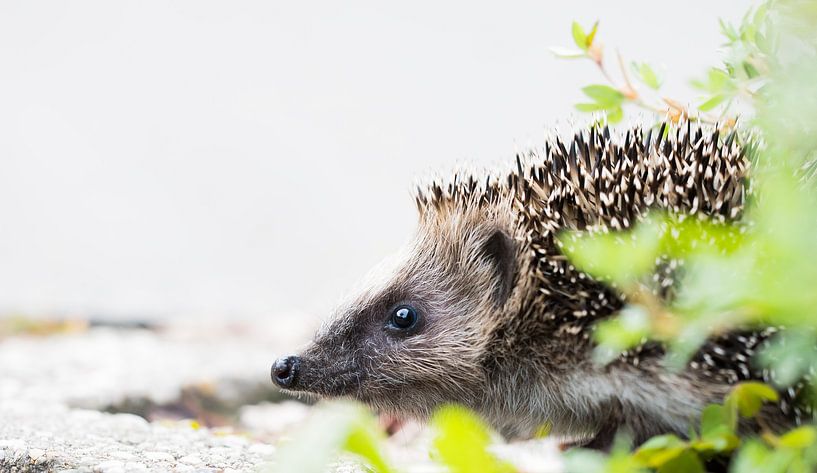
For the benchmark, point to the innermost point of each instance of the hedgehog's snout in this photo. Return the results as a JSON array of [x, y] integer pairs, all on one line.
[[285, 371]]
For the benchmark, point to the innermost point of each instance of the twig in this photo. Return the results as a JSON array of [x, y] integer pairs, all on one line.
[[633, 96], [630, 86]]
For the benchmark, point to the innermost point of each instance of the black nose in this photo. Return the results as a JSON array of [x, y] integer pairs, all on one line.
[[285, 371]]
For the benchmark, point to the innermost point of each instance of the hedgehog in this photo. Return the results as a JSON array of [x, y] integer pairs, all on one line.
[[483, 308]]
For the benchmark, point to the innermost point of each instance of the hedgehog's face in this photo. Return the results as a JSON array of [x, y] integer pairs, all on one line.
[[416, 340]]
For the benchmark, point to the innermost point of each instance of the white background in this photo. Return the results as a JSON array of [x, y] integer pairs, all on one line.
[[253, 158]]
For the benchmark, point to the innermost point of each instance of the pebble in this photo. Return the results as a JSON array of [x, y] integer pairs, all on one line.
[[111, 466], [36, 453], [123, 456], [191, 460], [158, 456], [261, 449], [135, 467]]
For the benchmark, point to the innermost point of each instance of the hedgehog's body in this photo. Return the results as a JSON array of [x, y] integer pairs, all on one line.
[[485, 310]]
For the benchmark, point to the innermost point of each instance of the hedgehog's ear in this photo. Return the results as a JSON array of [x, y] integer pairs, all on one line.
[[499, 248]]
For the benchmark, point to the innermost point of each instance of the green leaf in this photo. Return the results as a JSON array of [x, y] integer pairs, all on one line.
[[754, 456], [592, 35], [579, 37], [604, 95], [714, 418], [718, 424], [615, 335], [790, 354], [750, 70], [659, 450], [686, 462], [717, 81], [566, 53], [331, 428], [647, 75], [698, 84], [590, 107], [364, 441], [660, 442], [615, 115], [461, 442], [801, 437], [728, 30], [619, 256], [749, 397], [712, 102], [688, 236], [720, 442], [763, 43], [760, 15]]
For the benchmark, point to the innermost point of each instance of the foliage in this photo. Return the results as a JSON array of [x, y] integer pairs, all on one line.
[[334, 428], [460, 442], [757, 273], [760, 272], [716, 435]]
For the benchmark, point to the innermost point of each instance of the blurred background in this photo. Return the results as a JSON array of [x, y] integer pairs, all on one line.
[[252, 159]]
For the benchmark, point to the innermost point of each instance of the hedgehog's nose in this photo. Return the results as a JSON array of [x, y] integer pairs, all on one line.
[[285, 371]]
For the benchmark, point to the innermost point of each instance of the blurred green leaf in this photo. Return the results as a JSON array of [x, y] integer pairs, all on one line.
[[750, 70], [752, 457], [789, 355], [590, 107], [619, 256], [718, 424], [364, 440], [728, 30], [615, 335], [712, 102], [592, 35], [579, 36], [721, 441], [620, 460], [801, 437], [714, 419], [717, 81], [760, 15], [685, 462], [461, 442], [658, 450], [615, 115], [332, 428], [647, 75], [713, 285], [604, 95], [687, 236], [748, 397]]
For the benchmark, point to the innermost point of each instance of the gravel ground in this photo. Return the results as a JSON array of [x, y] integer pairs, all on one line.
[[38, 438], [52, 389], [64, 400], [103, 366]]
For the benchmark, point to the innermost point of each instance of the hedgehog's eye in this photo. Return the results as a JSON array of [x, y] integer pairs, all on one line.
[[403, 317]]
